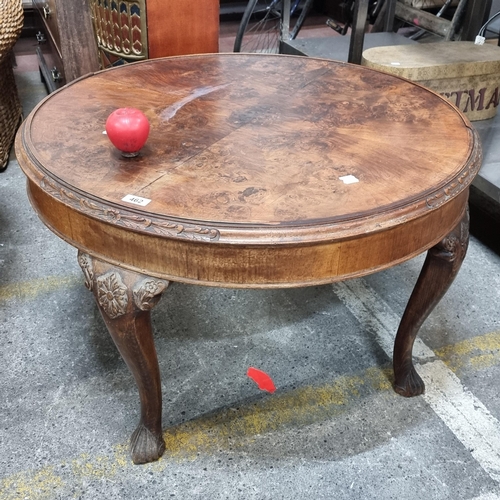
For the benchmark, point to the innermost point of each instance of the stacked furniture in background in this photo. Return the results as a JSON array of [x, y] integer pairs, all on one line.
[[78, 37], [66, 45], [132, 30]]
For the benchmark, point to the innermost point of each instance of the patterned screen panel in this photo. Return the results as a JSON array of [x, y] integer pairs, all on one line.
[[120, 28]]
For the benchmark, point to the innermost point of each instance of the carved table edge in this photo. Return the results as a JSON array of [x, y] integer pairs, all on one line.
[[245, 233]]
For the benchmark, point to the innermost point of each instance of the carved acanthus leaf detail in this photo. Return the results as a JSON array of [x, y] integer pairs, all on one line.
[[454, 246], [115, 216], [147, 293], [112, 294], [448, 248], [85, 262]]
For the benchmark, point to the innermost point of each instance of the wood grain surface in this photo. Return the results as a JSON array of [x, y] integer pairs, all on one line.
[[246, 152], [244, 169], [182, 27]]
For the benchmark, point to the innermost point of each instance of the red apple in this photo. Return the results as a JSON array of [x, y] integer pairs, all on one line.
[[128, 130]]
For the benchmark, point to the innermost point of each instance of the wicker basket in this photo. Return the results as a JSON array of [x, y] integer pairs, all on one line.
[[11, 23]]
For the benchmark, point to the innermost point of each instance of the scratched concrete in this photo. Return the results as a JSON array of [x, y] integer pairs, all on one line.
[[334, 428]]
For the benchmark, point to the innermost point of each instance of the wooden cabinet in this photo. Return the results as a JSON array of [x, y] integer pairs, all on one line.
[[77, 37], [130, 30], [187, 27], [66, 43]]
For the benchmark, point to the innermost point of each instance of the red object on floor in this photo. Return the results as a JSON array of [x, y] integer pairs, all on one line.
[[262, 379]]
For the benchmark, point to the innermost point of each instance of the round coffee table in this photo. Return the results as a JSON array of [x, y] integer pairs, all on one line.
[[259, 171]]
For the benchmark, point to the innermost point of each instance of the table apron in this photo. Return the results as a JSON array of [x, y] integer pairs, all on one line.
[[248, 266]]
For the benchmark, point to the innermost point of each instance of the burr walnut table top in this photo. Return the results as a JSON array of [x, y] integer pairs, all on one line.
[[246, 168]]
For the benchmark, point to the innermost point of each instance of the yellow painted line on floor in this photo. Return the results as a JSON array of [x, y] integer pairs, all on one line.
[[226, 429], [476, 353], [46, 483], [231, 428], [33, 288], [459, 409], [234, 428], [40, 484]]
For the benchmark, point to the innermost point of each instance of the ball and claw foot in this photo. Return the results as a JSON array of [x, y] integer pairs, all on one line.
[[145, 446], [410, 385]]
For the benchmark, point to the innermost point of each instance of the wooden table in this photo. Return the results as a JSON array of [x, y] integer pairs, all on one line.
[[262, 171]]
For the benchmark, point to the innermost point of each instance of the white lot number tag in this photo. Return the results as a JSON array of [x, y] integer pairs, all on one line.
[[136, 200], [349, 179]]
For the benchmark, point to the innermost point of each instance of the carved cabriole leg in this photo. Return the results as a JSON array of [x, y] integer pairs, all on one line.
[[439, 270], [125, 300]]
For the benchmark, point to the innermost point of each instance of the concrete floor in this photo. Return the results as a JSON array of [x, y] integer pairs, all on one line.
[[334, 429]]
